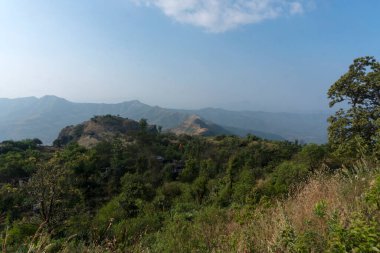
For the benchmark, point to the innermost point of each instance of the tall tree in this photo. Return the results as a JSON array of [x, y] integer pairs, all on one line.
[[354, 128], [51, 191]]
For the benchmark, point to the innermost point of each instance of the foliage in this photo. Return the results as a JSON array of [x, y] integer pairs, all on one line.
[[286, 175], [354, 131], [128, 197]]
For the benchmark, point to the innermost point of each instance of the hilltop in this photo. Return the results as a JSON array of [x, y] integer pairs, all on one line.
[[194, 125], [99, 129], [108, 127]]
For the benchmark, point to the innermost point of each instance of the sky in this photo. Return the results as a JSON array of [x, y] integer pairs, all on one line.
[[269, 55]]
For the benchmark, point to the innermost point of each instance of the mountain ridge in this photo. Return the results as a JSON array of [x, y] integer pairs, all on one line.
[[44, 117]]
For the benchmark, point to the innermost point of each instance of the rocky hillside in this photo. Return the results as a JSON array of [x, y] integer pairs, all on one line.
[[99, 128], [196, 126]]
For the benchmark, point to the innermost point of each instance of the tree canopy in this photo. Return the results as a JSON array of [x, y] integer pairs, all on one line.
[[354, 129]]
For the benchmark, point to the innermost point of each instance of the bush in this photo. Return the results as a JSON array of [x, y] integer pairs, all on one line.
[[129, 232], [21, 232], [285, 175], [361, 235]]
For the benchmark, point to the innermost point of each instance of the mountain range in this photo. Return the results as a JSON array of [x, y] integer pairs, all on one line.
[[44, 117]]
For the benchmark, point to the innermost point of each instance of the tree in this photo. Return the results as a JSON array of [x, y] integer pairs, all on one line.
[[51, 192], [312, 155], [143, 123], [356, 125], [37, 141]]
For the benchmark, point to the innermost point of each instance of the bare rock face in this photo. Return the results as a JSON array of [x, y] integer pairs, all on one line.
[[97, 129], [196, 126]]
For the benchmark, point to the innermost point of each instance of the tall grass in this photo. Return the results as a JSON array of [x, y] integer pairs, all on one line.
[[302, 222]]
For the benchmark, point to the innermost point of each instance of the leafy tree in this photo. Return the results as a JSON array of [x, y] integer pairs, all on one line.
[[51, 192], [312, 155], [199, 188], [243, 185], [286, 175], [229, 180], [190, 172], [358, 124], [143, 123]]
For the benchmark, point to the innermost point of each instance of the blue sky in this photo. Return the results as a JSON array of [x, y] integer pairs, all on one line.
[[272, 55]]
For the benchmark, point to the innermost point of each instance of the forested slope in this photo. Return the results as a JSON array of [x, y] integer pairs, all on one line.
[[151, 191]]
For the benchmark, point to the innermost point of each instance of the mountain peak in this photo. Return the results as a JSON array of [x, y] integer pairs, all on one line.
[[52, 98], [195, 125]]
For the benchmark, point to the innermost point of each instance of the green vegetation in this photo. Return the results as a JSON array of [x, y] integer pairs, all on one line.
[[158, 192], [356, 127]]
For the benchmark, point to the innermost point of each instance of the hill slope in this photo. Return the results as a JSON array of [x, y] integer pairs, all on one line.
[[194, 125], [97, 129]]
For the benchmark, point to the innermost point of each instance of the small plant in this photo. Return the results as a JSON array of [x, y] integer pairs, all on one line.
[[320, 209], [373, 195]]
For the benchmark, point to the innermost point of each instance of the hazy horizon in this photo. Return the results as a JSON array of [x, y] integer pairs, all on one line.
[[326, 111], [275, 56]]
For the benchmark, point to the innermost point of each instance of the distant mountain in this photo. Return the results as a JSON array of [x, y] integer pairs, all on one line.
[[44, 117], [194, 125], [307, 127]]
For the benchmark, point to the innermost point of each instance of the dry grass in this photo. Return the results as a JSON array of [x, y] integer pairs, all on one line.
[[340, 194]]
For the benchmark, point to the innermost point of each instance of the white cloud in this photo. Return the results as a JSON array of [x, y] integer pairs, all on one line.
[[223, 15]]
